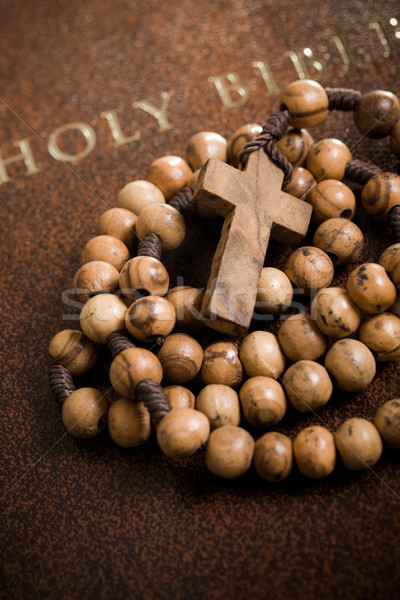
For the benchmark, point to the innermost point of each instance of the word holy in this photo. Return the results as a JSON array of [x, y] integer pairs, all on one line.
[[231, 90]]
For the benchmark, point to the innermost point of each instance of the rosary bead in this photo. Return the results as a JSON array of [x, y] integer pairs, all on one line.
[[82, 412], [119, 223], [220, 404], [131, 366], [129, 423], [274, 292], [105, 248], [341, 239], [370, 288], [187, 302], [166, 222], [193, 180], [73, 350], [273, 456], [101, 315], [95, 276], [328, 158], [221, 364], [307, 102], [229, 452], [359, 444], [390, 257], [182, 432], [180, 397], [381, 333], [387, 421], [181, 357], [300, 338], [395, 139], [376, 113], [295, 145], [138, 194], [335, 313], [263, 401], [205, 145], [150, 317], [395, 308], [352, 365], [395, 275], [331, 198], [307, 385], [381, 194], [309, 269], [170, 174], [314, 452], [261, 354], [239, 139], [301, 183], [143, 274]]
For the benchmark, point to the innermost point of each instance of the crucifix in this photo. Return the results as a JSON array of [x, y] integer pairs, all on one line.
[[254, 207]]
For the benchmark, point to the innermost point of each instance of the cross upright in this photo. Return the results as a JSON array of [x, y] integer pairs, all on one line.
[[253, 206]]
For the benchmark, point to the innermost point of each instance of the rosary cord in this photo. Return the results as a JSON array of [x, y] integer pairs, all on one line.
[[154, 398], [184, 202], [360, 171], [342, 99], [118, 341], [150, 245], [61, 383]]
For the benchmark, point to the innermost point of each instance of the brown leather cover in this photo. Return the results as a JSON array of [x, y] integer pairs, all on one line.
[[86, 519]]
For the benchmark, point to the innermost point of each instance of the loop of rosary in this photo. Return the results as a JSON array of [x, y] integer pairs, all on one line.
[[127, 302]]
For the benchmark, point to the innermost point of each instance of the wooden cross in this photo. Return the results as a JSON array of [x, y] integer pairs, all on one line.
[[254, 206]]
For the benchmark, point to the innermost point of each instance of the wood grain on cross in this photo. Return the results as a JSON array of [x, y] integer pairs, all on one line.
[[254, 206]]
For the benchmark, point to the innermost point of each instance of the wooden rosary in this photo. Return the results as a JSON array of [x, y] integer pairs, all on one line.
[[127, 301]]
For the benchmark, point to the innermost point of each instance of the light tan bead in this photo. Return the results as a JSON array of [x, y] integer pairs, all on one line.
[[307, 385], [220, 404], [204, 145], [95, 276], [166, 222], [129, 423], [341, 239], [180, 397], [309, 269], [376, 113], [300, 338], [101, 315], [352, 365], [73, 350], [182, 432], [314, 452], [307, 102], [150, 317], [274, 292], [135, 195], [221, 364], [143, 273], [273, 456], [395, 139], [359, 444], [181, 357], [263, 401], [105, 248], [82, 412], [131, 366], [261, 354], [370, 288], [387, 421], [331, 199], [239, 139], [170, 174], [301, 183], [187, 302], [335, 313], [328, 158], [390, 257], [229, 452], [381, 194], [295, 145], [119, 223], [381, 333]]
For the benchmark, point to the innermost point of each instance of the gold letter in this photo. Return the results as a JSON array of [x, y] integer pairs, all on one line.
[[267, 75], [58, 154], [117, 133], [300, 65], [226, 84], [387, 49], [158, 113], [343, 51], [25, 155]]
